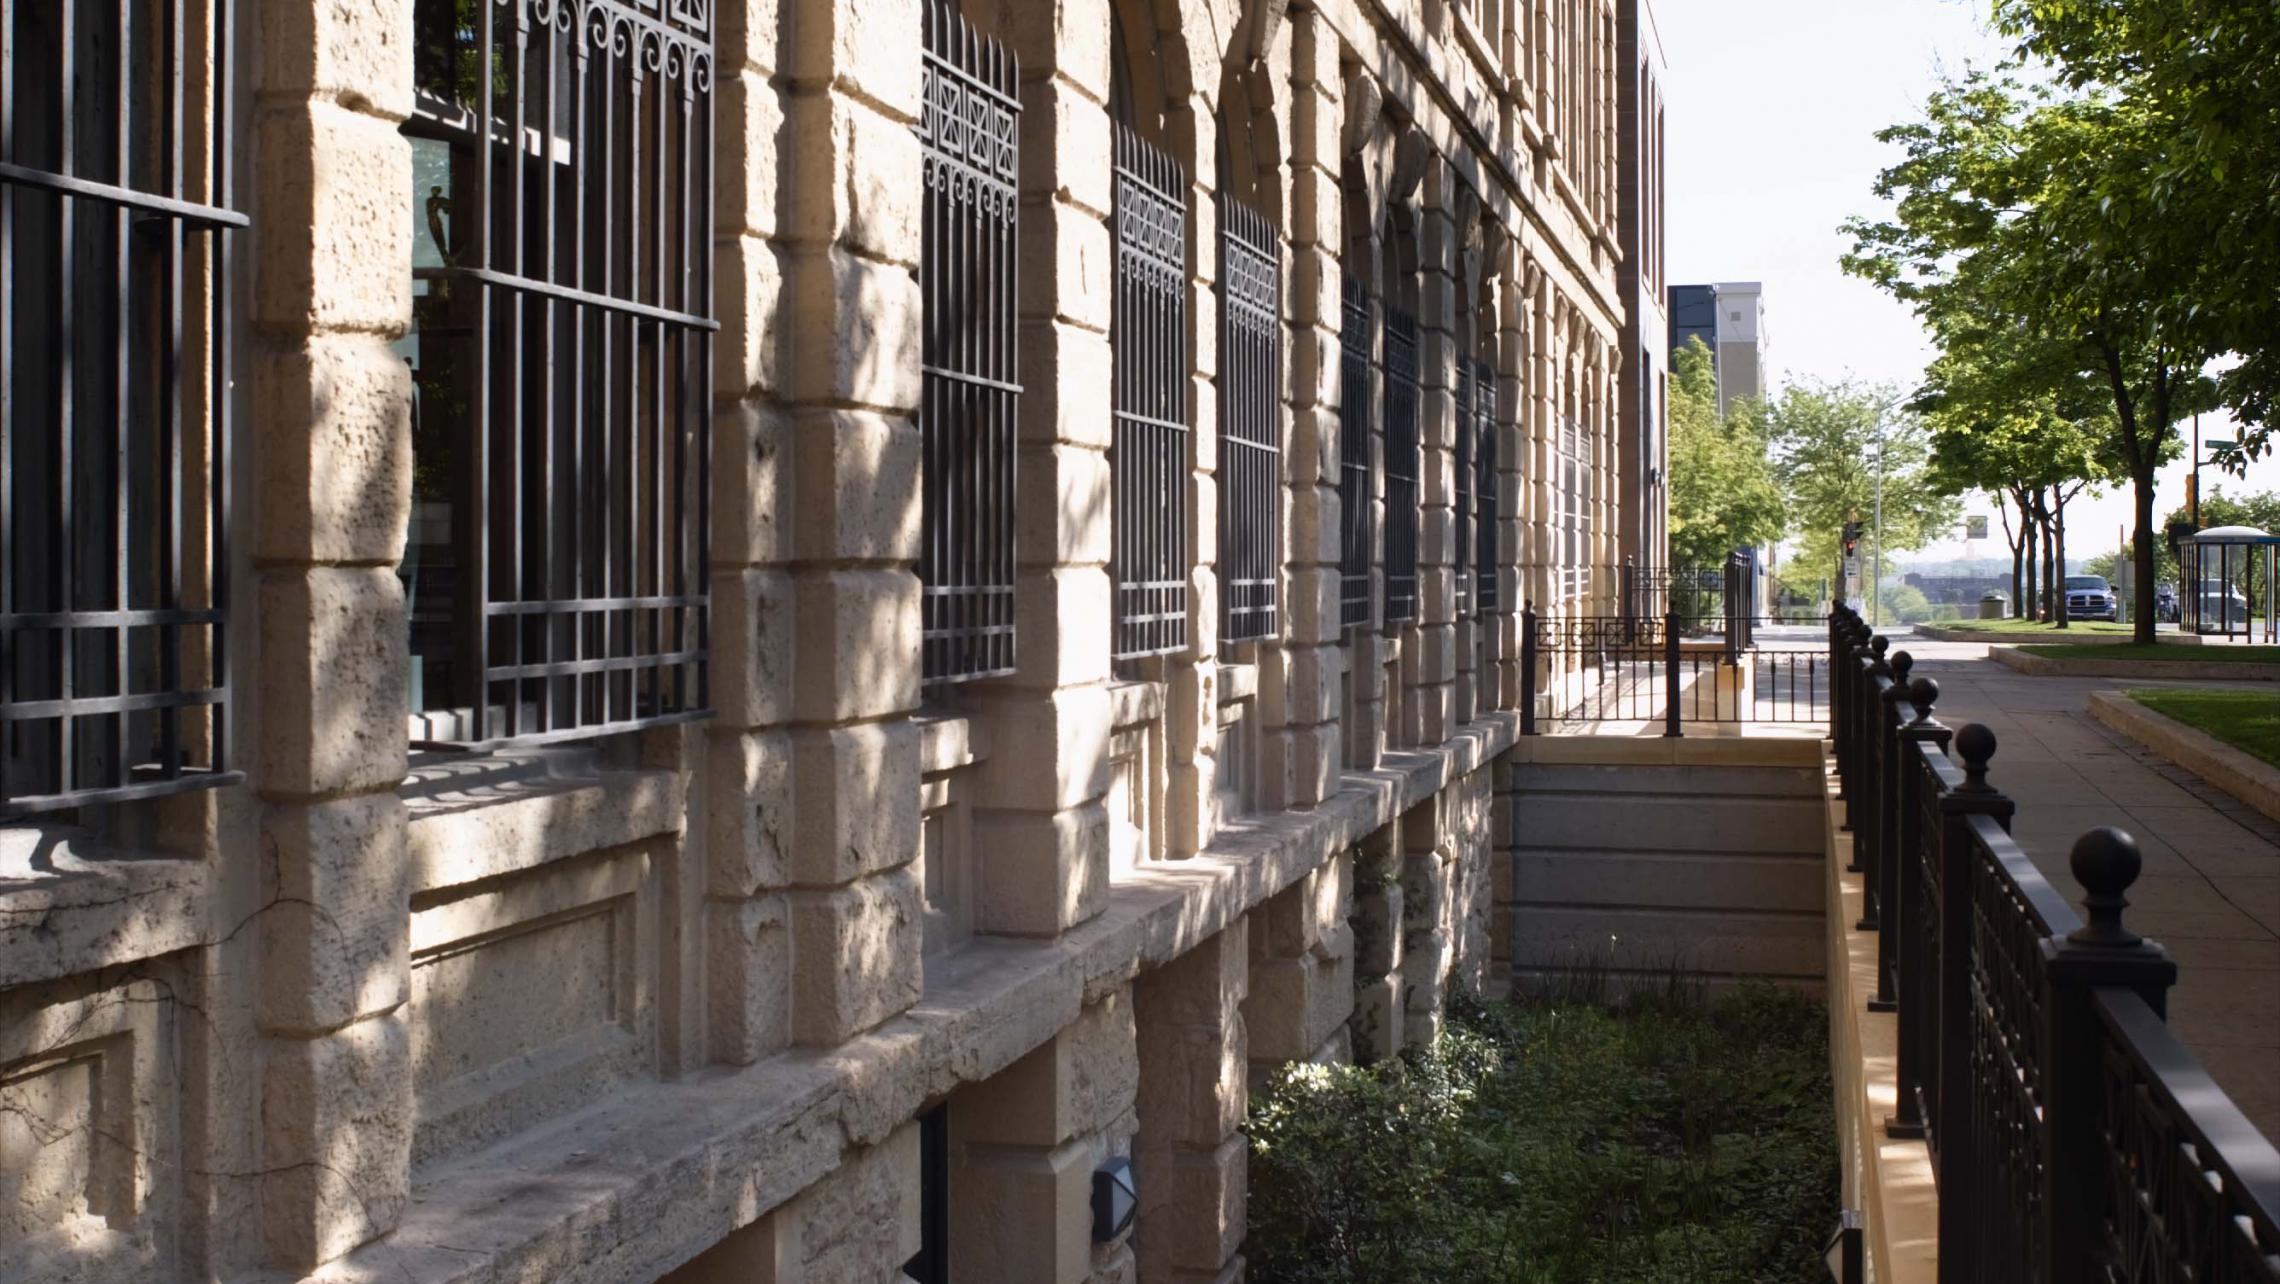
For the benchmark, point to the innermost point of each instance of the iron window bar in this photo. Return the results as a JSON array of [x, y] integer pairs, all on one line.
[[113, 465], [1461, 510], [1572, 484], [1354, 404], [562, 355], [1250, 421], [1401, 467], [969, 142], [1485, 547], [1148, 458]]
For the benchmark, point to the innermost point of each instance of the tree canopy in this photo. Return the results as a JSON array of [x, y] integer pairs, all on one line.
[[1723, 494]]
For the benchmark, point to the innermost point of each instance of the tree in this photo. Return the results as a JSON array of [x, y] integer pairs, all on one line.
[[1722, 490], [1829, 441], [2200, 72], [2021, 211]]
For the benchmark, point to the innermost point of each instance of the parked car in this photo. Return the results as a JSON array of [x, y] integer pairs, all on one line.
[[2090, 597]]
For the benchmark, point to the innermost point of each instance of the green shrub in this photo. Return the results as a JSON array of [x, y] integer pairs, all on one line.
[[1663, 1138]]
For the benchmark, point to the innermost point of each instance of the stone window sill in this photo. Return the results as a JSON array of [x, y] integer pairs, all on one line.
[[66, 909], [479, 816]]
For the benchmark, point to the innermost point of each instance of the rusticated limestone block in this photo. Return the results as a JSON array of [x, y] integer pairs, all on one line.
[[749, 829], [1050, 753], [335, 242], [1039, 873], [1062, 617], [855, 956], [335, 901], [1022, 1213], [856, 174], [1202, 1228], [359, 53], [855, 479], [860, 1223], [853, 328], [751, 353], [332, 681], [857, 790], [336, 1131], [748, 978], [752, 646], [855, 654], [1058, 355], [334, 418], [1377, 1023]]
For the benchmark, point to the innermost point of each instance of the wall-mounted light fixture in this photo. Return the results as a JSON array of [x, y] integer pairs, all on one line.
[[1114, 1199]]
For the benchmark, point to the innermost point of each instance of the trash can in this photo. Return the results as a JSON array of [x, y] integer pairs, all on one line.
[[1994, 605]]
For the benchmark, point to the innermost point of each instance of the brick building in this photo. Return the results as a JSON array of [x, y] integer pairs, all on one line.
[[734, 640]]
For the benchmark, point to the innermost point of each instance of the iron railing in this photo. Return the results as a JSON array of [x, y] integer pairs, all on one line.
[[562, 352], [114, 371], [1402, 465], [1586, 671], [1149, 456], [1354, 404], [1250, 422], [970, 143], [2073, 1138], [1485, 548]]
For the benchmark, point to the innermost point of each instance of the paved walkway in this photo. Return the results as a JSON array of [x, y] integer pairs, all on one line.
[[2211, 888]]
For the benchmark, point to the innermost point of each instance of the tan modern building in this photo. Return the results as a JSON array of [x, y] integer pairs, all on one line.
[[734, 640], [1643, 408]]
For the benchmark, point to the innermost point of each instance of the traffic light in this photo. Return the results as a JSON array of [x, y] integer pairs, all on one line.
[[1852, 538]]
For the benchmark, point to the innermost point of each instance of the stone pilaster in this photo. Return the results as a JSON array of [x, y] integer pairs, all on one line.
[[330, 407], [1041, 832], [849, 243], [1433, 693], [1302, 972], [1303, 752], [1191, 676], [1377, 923], [1189, 1154], [1428, 866]]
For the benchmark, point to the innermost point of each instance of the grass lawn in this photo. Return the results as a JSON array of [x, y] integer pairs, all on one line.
[[2160, 653], [1663, 1139], [2246, 720], [2009, 626]]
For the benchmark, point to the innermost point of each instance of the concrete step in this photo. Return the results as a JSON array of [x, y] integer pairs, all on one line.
[[1766, 825], [1720, 942], [1669, 880]]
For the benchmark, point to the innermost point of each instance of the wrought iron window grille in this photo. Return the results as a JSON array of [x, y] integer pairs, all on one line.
[[557, 576], [1465, 475], [971, 351], [1148, 457], [1354, 405], [1402, 466], [1250, 422], [114, 370], [1485, 546]]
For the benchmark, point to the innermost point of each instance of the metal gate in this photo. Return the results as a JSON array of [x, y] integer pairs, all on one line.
[[1149, 452], [1624, 674]]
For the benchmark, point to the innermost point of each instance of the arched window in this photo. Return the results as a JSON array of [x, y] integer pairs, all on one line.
[[1402, 454], [971, 354], [114, 373], [561, 348], [1149, 450], [1250, 408]]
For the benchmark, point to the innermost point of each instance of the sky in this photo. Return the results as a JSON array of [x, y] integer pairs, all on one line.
[[1772, 110]]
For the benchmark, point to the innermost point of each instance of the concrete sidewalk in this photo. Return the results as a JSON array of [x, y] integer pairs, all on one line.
[[2211, 888]]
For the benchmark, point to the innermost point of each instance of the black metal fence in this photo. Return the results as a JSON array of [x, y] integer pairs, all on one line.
[[968, 137], [1250, 421], [562, 353], [1402, 462], [2073, 1137], [1588, 671], [1354, 403], [1149, 453], [113, 372]]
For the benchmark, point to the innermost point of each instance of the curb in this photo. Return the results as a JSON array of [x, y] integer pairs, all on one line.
[[2043, 666], [2237, 773], [2066, 637]]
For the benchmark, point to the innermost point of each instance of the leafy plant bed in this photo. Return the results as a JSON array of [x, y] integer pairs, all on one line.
[[2246, 720], [2009, 627], [1663, 1138]]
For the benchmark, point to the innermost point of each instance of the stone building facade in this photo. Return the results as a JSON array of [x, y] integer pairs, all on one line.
[[519, 768]]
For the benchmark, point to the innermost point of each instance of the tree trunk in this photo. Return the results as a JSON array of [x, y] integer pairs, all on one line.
[[2042, 533], [2141, 548], [2027, 604], [2058, 546], [2018, 555]]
